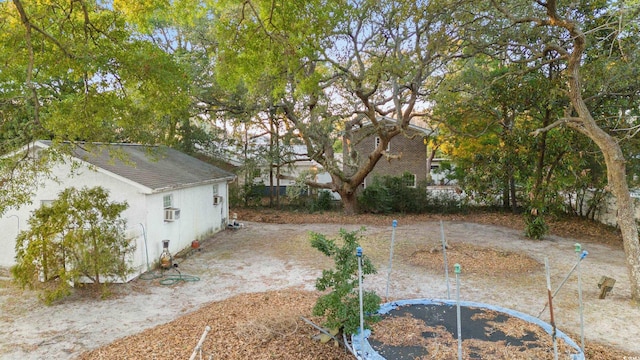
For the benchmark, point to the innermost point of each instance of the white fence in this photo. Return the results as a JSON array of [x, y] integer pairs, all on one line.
[[608, 209]]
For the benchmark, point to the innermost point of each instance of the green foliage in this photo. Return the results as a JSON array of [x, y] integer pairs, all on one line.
[[445, 202], [341, 306], [317, 67], [235, 195], [322, 202], [249, 195], [376, 198], [390, 194], [79, 235], [535, 226], [83, 76]]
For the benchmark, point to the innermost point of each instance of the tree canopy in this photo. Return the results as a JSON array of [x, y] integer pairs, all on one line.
[[74, 71], [327, 69], [530, 98]]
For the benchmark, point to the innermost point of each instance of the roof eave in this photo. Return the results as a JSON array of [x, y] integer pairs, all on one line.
[[190, 185]]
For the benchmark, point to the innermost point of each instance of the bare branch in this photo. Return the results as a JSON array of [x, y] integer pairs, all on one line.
[[558, 123]]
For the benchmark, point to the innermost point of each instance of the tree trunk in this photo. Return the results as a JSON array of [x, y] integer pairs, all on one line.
[[613, 156], [616, 172], [506, 194], [537, 192], [512, 189], [349, 203]]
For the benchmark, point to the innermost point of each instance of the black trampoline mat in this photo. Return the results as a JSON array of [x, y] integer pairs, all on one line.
[[429, 331]]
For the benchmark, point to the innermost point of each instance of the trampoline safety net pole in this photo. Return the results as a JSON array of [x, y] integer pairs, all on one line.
[[553, 322], [581, 256], [444, 254], [394, 224], [457, 271], [359, 255]]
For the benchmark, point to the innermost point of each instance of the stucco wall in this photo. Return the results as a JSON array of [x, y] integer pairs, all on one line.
[[118, 191], [199, 218]]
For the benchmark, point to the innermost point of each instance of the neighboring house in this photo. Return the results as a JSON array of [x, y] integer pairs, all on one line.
[[295, 163], [171, 196], [406, 153], [299, 164]]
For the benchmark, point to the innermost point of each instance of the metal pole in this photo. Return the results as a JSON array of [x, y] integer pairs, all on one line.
[[146, 249], [198, 348], [359, 255], [553, 323], [446, 265], [394, 224], [457, 271], [581, 256]]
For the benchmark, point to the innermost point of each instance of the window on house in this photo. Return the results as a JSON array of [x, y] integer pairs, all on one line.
[[378, 144], [409, 180], [217, 199], [167, 201]]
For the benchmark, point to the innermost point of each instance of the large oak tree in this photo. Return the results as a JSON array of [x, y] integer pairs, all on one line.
[[328, 68]]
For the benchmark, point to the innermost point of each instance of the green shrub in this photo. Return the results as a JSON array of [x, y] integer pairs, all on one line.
[[341, 306], [323, 202], [392, 194], [79, 235], [535, 226], [444, 203], [376, 198]]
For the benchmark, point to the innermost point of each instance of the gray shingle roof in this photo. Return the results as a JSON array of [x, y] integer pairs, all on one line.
[[156, 167]]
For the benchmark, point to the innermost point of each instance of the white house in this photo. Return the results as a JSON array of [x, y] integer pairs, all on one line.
[[300, 163], [171, 196]]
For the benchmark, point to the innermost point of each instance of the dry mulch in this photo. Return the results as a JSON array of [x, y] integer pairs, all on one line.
[[250, 326], [476, 260], [268, 325], [568, 227]]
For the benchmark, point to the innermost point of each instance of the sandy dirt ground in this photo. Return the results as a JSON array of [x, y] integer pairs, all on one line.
[[265, 256]]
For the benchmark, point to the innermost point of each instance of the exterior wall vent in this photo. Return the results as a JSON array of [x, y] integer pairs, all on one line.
[[217, 200]]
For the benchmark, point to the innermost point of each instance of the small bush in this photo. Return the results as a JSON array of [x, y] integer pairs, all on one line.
[[391, 195], [323, 202], [341, 306], [535, 226], [376, 198], [444, 203], [80, 235]]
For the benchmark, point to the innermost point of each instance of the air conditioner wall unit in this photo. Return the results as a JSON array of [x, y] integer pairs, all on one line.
[[171, 214], [217, 200]]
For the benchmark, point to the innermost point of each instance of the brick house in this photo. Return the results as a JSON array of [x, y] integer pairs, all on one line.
[[406, 153]]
